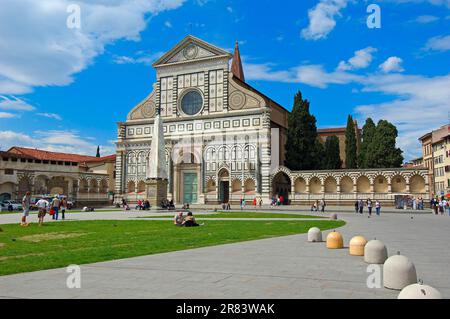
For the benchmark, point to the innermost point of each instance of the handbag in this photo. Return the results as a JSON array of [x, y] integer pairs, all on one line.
[[51, 212]]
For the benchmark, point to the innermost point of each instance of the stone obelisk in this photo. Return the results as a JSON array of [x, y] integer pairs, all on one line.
[[157, 178]]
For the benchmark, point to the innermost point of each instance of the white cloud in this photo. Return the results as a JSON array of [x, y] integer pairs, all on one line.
[[418, 102], [14, 104], [37, 48], [6, 115], [140, 57], [230, 9], [360, 60], [424, 19], [310, 74], [168, 24], [51, 116], [322, 19], [56, 141], [439, 43], [392, 64], [420, 105]]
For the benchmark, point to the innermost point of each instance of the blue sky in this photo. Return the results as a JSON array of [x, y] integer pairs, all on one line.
[[64, 89]]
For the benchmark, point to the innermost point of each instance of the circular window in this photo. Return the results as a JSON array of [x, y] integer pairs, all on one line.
[[192, 103]]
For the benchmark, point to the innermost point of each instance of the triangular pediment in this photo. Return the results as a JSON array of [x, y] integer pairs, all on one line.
[[191, 49]]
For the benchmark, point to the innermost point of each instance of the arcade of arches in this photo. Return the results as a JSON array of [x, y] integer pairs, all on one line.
[[349, 185]]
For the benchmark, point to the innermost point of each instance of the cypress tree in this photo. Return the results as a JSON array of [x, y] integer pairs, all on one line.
[[303, 150], [369, 129], [332, 158], [382, 151], [98, 152], [350, 145]]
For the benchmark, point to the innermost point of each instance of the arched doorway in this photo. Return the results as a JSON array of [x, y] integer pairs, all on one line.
[[250, 187], [188, 184], [315, 185], [224, 185], [58, 185], [281, 186], [417, 184], [346, 185], [330, 185], [363, 185], [300, 185], [398, 184], [381, 185], [6, 191]]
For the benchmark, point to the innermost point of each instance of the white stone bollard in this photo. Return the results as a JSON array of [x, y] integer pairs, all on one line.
[[314, 235], [419, 291], [375, 252], [399, 272]]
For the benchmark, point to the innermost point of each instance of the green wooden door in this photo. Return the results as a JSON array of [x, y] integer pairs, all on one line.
[[190, 186]]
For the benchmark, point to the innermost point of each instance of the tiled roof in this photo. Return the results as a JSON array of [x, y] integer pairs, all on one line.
[[333, 130], [55, 156]]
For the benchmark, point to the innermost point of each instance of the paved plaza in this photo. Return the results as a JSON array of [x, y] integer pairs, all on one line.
[[285, 267]]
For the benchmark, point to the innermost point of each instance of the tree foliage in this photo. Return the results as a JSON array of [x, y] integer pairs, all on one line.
[[369, 129], [351, 160], [332, 158], [303, 150], [382, 151]]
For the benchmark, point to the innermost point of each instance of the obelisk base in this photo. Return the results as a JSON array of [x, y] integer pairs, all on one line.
[[156, 190]]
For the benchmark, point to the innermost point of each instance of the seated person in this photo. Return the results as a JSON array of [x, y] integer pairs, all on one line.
[[171, 205], [189, 221], [178, 219], [146, 205]]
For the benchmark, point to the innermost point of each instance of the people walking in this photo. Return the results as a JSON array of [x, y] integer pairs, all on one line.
[[55, 206], [361, 206], [26, 202], [369, 207], [322, 205], [434, 205], [414, 203], [356, 206], [63, 208], [42, 206], [441, 206], [378, 207]]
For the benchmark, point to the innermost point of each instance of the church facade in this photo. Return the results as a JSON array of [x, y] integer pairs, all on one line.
[[224, 140], [217, 129]]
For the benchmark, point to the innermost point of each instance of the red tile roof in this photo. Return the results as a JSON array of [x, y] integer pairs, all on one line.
[[55, 156]]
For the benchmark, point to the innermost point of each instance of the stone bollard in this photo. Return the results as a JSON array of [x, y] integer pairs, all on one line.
[[314, 235], [334, 216], [356, 246], [419, 291], [375, 252], [335, 240], [398, 272]]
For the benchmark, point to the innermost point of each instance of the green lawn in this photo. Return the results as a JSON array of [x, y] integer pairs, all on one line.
[[79, 242], [242, 215]]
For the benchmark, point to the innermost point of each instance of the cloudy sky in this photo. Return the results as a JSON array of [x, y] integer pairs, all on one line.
[[64, 89]]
